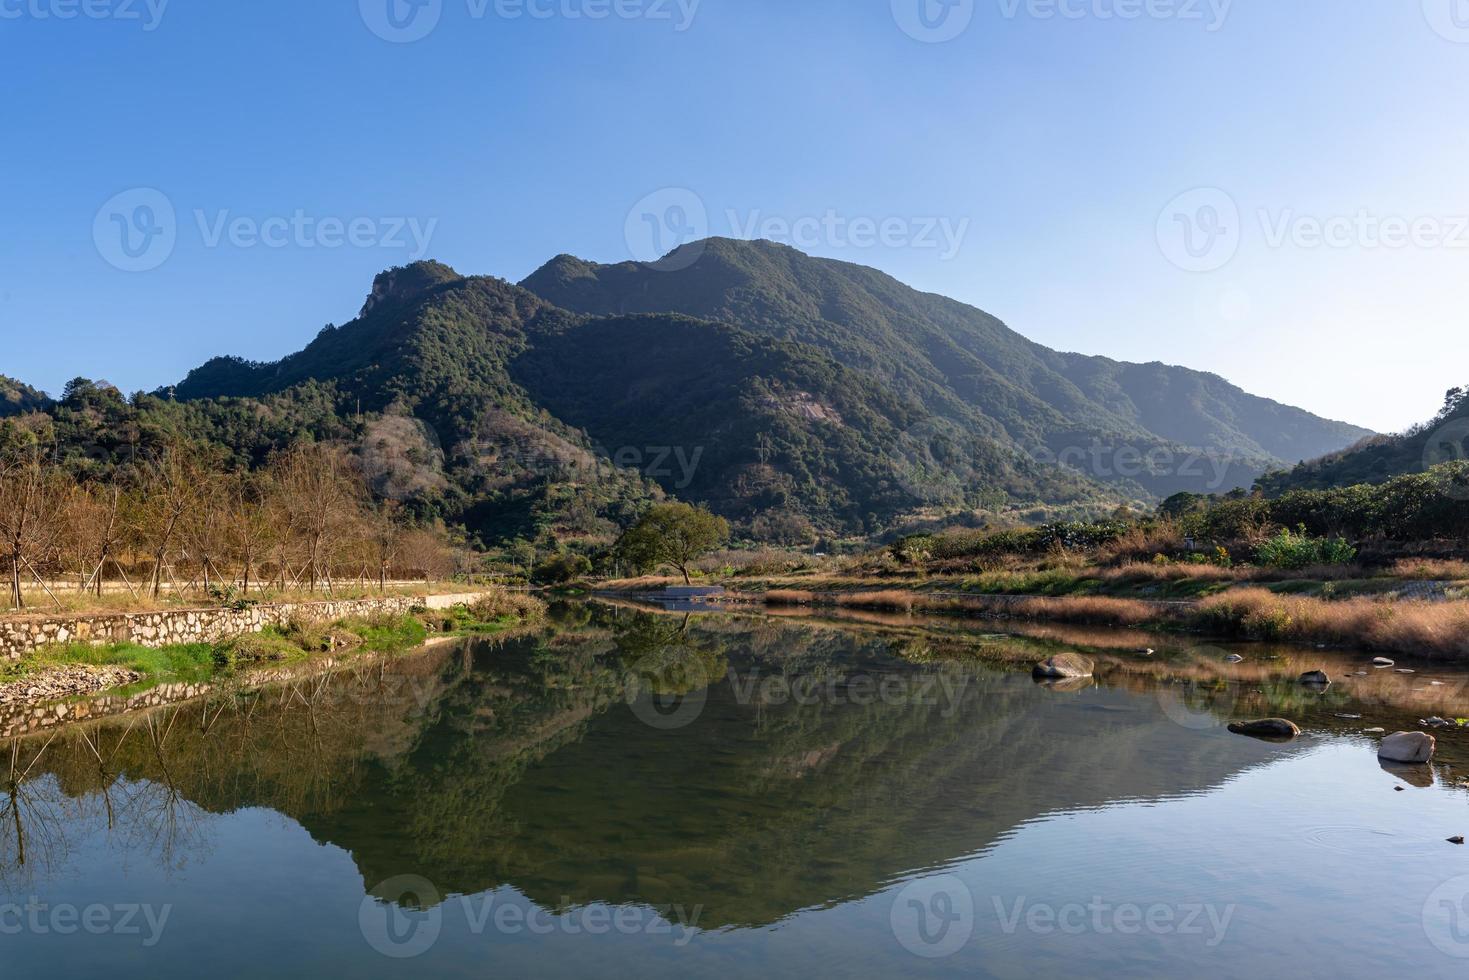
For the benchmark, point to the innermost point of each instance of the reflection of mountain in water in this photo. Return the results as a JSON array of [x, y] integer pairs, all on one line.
[[521, 763]]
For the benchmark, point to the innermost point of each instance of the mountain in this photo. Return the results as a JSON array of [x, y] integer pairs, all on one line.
[[764, 382], [1381, 458], [514, 392], [964, 365], [16, 398]]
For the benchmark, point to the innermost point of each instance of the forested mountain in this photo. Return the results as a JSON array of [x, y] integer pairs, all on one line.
[[789, 393], [1378, 459], [961, 363], [589, 409]]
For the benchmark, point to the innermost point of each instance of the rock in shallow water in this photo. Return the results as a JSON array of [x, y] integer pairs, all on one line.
[[1064, 665], [1274, 729], [1315, 678], [1411, 747]]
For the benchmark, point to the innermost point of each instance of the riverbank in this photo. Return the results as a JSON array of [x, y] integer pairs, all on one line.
[[69, 669], [1418, 618]]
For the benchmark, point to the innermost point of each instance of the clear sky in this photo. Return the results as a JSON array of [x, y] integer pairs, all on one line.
[[1274, 191]]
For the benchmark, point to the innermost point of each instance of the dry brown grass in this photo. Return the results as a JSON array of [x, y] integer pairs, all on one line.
[[1427, 629], [1432, 569], [897, 600], [1141, 544], [790, 597], [1174, 573], [1093, 610], [500, 603]]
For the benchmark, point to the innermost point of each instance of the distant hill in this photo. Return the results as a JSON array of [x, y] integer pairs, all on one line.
[[964, 365], [16, 397], [1380, 458]]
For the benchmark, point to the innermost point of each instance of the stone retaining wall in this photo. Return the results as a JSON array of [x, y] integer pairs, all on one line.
[[155, 629]]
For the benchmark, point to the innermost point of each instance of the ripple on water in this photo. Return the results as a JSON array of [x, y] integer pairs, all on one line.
[[1353, 839]]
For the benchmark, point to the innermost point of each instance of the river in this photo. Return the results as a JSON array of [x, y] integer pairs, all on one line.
[[637, 793]]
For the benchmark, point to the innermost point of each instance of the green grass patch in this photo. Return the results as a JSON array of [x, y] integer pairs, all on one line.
[[185, 662], [388, 634]]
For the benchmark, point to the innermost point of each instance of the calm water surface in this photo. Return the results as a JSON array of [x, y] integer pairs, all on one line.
[[638, 794]]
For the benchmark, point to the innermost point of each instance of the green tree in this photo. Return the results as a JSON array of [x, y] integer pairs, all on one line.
[[673, 534]]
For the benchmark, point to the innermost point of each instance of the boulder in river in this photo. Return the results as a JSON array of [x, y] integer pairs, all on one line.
[[1272, 729], [1315, 678], [1384, 662], [1235, 658], [1410, 747], [1064, 665]]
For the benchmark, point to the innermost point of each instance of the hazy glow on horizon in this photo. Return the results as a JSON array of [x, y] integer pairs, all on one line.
[[1045, 156]]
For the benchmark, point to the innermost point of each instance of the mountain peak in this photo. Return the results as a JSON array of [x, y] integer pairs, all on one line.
[[406, 282]]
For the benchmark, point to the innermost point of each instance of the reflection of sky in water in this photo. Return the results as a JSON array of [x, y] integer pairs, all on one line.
[[800, 829]]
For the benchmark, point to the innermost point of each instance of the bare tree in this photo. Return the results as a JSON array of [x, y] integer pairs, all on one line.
[[30, 501], [167, 490], [323, 497]]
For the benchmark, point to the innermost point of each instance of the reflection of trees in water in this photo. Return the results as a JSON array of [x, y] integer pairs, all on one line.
[[33, 815], [513, 761], [149, 780], [153, 817], [663, 656]]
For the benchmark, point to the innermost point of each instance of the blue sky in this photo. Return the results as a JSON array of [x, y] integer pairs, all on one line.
[[1272, 191]]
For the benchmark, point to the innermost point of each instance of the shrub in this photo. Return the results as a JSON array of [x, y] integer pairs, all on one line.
[[1294, 550], [564, 567], [500, 604]]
